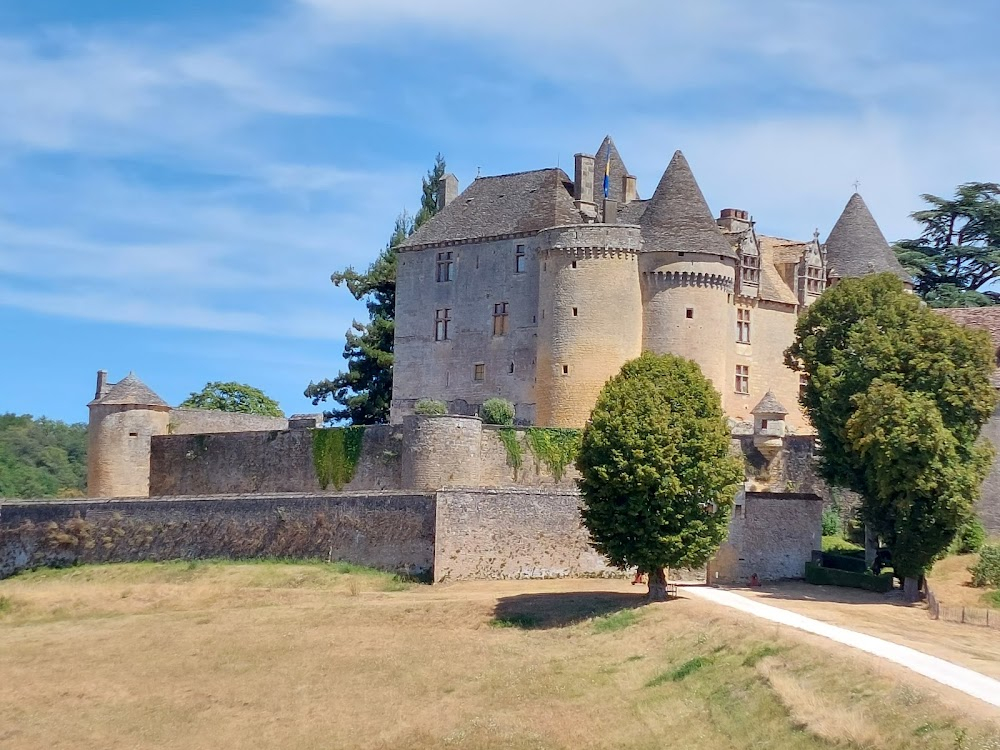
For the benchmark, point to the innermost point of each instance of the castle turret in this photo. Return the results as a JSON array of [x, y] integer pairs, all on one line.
[[856, 246], [589, 316], [123, 418], [769, 424], [687, 276]]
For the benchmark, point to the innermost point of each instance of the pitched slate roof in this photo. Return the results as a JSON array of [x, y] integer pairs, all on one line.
[[856, 246], [618, 171], [678, 219], [769, 405], [631, 213], [130, 391], [782, 250], [502, 205]]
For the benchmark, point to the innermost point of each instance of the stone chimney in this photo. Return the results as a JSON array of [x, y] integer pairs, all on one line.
[[734, 220], [628, 188], [583, 185], [447, 190], [610, 211], [102, 383]]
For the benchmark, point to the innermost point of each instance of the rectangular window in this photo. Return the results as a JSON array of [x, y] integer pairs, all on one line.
[[500, 318], [519, 260], [565, 369], [814, 280], [743, 325], [750, 268], [479, 371], [445, 266], [689, 313], [742, 379], [576, 312], [441, 320]]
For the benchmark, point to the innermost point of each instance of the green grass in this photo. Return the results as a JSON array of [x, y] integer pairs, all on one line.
[[676, 675], [615, 621], [522, 622], [6, 604], [992, 599], [759, 653]]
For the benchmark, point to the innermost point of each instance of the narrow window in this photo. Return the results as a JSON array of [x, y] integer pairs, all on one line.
[[575, 312], [742, 379], [573, 264], [689, 313], [750, 268], [743, 325], [511, 370], [500, 318], [479, 371], [445, 266], [441, 320], [133, 434], [519, 260], [763, 424], [565, 369]]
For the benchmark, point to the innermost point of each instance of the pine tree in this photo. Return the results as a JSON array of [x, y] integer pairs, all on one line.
[[364, 391]]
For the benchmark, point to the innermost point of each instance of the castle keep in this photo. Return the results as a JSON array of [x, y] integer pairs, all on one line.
[[538, 288]]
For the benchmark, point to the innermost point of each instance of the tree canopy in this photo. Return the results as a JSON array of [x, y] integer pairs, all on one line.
[[42, 457], [364, 391], [234, 397], [897, 394], [957, 255], [657, 478]]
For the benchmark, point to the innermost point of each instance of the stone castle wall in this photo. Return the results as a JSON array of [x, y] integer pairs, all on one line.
[[118, 448], [989, 503], [391, 531], [199, 421]]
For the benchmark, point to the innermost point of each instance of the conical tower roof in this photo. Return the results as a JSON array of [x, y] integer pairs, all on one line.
[[856, 246], [130, 391], [677, 217], [616, 167], [769, 405]]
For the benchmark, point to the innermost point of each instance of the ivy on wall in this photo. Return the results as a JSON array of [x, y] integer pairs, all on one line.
[[336, 451], [554, 447]]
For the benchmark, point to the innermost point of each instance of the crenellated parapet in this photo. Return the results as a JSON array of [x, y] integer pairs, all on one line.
[[593, 240], [675, 279]]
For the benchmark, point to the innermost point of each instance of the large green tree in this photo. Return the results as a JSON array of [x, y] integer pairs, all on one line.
[[956, 258], [235, 397], [897, 394], [364, 391], [42, 457], [657, 477]]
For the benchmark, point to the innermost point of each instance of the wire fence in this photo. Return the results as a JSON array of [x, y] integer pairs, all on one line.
[[979, 616]]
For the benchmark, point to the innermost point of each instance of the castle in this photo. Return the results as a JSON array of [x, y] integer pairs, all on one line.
[[537, 288]]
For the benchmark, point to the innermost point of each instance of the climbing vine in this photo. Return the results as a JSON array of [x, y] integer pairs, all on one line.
[[515, 457], [336, 451], [555, 447]]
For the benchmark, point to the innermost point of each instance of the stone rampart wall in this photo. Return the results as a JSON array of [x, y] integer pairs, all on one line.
[[391, 531], [513, 533], [197, 421], [989, 503]]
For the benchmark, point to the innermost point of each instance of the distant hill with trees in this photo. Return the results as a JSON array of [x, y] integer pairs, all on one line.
[[42, 457]]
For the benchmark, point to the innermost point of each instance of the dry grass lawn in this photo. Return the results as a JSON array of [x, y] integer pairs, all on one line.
[[267, 655], [951, 581]]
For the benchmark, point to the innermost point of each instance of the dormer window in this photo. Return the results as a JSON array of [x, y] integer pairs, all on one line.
[[814, 280], [749, 268]]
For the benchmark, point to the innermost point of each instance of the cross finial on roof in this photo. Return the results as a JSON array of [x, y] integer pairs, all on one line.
[[857, 185], [816, 235], [478, 171]]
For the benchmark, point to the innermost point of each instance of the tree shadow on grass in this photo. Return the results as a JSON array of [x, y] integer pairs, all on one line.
[[559, 610], [806, 592]]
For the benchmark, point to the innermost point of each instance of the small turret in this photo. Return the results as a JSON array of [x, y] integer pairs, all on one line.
[[769, 425]]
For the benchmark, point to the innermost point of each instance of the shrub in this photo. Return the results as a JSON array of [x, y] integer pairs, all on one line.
[[819, 575], [986, 572], [844, 562], [428, 407], [970, 538], [831, 522], [498, 411]]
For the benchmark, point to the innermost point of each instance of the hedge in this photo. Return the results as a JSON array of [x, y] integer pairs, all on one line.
[[844, 562], [819, 575]]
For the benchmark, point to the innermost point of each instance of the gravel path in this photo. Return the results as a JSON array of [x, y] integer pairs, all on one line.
[[960, 678]]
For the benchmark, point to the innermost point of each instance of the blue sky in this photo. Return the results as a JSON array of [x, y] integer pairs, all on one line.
[[179, 179]]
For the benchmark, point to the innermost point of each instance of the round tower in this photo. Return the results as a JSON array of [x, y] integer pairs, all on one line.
[[441, 451], [687, 273], [123, 418], [589, 316]]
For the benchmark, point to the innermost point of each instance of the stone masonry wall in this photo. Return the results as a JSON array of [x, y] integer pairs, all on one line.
[[989, 503], [771, 535], [274, 461], [197, 421], [512, 533], [391, 531]]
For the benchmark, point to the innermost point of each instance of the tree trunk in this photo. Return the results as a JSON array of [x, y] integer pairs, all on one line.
[[657, 586], [911, 589]]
